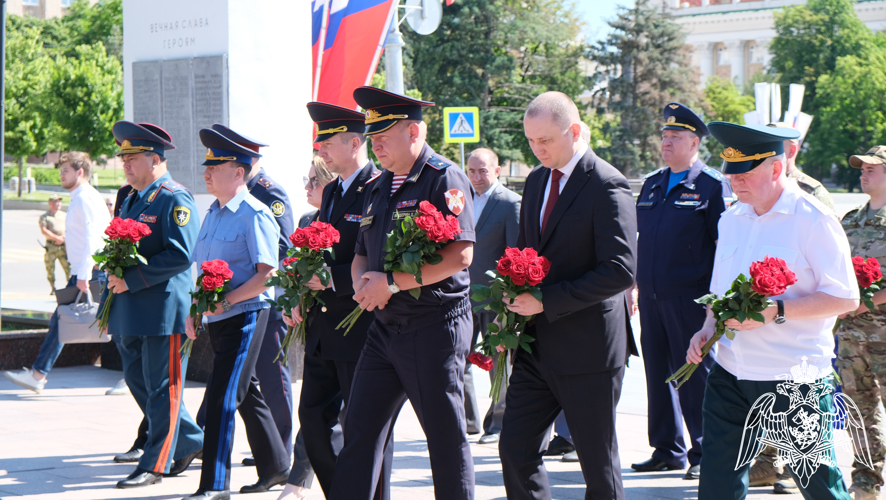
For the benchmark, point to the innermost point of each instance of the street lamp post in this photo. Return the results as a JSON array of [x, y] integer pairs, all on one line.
[[394, 55]]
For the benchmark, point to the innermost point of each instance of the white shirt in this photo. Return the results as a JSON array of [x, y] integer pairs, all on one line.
[[566, 171], [807, 235], [480, 201], [87, 220]]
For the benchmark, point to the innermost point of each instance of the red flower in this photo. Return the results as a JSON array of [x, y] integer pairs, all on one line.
[[427, 208], [211, 282], [480, 360], [866, 272], [504, 266], [535, 275], [519, 272], [299, 238], [217, 268], [771, 276], [290, 262]]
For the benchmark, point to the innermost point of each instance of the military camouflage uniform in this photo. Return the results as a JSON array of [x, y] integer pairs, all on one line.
[[811, 186], [56, 225], [862, 346]]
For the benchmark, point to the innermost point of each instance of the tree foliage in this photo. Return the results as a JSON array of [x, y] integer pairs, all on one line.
[[642, 65], [724, 103], [497, 55]]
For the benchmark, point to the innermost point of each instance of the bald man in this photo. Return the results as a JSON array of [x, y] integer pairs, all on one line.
[[578, 212]]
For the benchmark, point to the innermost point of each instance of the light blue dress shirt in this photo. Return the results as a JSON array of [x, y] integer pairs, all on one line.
[[244, 234], [480, 201]]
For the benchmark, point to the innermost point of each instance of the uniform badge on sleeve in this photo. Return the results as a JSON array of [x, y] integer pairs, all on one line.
[[278, 208], [455, 201], [181, 215]]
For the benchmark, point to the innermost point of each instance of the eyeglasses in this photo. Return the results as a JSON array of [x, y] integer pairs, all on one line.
[[312, 181]]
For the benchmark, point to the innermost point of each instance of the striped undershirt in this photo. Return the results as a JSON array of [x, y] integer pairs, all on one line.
[[397, 182]]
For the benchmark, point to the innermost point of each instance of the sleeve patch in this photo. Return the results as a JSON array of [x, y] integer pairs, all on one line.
[[278, 208], [181, 215]]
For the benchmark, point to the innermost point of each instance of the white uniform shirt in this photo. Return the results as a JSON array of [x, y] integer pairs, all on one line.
[[87, 220], [807, 235], [566, 171]]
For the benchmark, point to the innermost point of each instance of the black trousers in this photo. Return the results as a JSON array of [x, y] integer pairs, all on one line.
[[668, 325], [274, 380], [325, 386], [426, 365], [535, 397], [496, 412], [233, 387]]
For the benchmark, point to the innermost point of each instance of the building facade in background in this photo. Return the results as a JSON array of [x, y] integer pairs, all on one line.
[[43, 9], [730, 39]]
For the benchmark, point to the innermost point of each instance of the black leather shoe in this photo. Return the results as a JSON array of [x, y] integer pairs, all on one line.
[[694, 472], [209, 495], [130, 456], [654, 465], [182, 464], [140, 478], [248, 462], [559, 446], [266, 483]]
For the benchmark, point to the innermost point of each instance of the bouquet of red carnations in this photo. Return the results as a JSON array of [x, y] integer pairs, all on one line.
[[517, 272], [304, 261], [415, 245], [120, 252], [870, 279], [746, 299], [211, 286]]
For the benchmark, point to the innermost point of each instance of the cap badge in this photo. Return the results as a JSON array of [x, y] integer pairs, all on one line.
[[126, 145], [673, 106], [729, 153], [372, 114], [672, 119]]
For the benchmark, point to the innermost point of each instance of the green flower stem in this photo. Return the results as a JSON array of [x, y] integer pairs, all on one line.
[[498, 379], [350, 320]]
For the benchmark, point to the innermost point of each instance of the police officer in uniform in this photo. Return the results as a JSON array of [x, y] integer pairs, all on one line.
[[330, 357], [274, 378], [152, 303], [415, 348], [677, 214]]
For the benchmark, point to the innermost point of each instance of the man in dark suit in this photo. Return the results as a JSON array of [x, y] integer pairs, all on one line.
[[496, 222], [579, 213]]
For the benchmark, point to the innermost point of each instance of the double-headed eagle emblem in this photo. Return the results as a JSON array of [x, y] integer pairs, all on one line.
[[804, 433]]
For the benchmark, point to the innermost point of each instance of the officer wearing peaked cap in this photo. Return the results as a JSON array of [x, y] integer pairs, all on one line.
[[415, 348], [240, 230], [330, 357], [274, 378], [149, 344], [777, 219], [677, 214]]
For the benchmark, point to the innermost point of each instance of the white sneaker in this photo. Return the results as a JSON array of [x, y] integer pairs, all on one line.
[[26, 380], [118, 390]]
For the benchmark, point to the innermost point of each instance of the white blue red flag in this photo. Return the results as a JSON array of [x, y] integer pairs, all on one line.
[[347, 37]]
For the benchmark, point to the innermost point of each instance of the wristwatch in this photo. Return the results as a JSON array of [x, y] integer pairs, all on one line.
[[779, 316], [392, 286], [226, 305]]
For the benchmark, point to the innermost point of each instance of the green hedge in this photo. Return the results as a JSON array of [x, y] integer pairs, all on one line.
[[42, 175]]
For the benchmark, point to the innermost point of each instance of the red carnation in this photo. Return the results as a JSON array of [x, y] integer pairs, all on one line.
[[771, 276], [480, 360]]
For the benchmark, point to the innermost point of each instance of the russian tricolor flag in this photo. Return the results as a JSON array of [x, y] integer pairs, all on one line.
[[348, 37]]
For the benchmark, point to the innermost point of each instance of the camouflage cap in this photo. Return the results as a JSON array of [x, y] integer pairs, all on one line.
[[875, 156], [55, 197]]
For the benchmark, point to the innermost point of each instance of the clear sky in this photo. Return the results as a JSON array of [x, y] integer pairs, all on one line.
[[596, 13]]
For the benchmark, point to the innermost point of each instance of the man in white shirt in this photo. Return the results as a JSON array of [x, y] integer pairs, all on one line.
[[775, 218], [86, 222]]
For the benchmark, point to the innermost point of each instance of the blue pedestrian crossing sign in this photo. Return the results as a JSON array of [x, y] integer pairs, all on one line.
[[461, 124]]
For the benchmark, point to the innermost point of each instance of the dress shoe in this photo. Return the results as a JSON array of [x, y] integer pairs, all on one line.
[[786, 485], [139, 478], [694, 472], [267, 482], [130, 456], [559, 446], [572, 456], [488, 438], [182, 464], [209, 495], [654, 465], [248, 462]]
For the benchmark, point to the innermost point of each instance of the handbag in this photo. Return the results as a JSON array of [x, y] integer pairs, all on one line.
[[76, 322]]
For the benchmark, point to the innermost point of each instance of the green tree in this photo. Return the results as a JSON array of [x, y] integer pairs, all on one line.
[[29, 125], [496, 55], [642, 65], [723, 102], [809, 41], [87, 98], [102, 22]]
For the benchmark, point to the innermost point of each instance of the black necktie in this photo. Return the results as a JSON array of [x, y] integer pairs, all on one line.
[[336, 194]]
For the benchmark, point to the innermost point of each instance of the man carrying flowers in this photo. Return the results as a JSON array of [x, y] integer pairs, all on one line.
[[777, 219], [151, 302], [861, 350]]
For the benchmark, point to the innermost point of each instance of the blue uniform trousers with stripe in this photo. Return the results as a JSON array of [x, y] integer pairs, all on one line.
[[727, 402], [154, 371], [236, 342]]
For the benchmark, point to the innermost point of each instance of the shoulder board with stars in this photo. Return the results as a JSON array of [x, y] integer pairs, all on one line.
[[651, 174], [375, 175], [172, 186], [266, 183], [438, 162], [713, 173]]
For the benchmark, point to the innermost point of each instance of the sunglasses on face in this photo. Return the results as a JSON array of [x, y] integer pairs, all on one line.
[[312, 181]]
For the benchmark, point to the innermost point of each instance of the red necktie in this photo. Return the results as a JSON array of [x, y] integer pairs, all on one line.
[[553, 194]]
